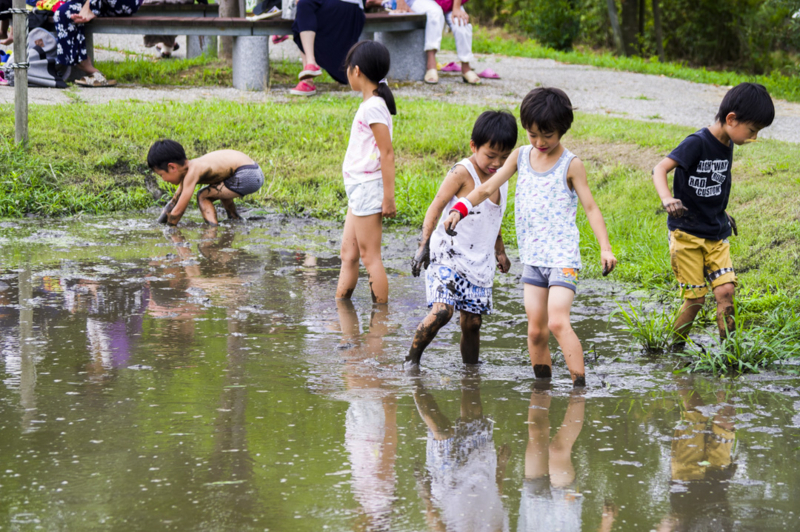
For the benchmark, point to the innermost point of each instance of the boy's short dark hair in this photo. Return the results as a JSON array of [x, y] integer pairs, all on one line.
[[163, 152], [750, 102], [547, 108], [497, 129]]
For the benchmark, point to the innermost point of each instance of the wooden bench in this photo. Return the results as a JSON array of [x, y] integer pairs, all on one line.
[[403, 35]]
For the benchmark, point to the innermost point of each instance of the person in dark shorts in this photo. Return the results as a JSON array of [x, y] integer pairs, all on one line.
[[229, 174]]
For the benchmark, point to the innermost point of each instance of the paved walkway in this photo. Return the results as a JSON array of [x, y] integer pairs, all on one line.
[[656, 99]]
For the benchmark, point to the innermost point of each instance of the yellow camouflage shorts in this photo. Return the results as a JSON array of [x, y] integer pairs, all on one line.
[[697, 260]]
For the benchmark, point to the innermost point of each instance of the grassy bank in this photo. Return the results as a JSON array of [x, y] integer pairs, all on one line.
[[301, 145], [495, 41]]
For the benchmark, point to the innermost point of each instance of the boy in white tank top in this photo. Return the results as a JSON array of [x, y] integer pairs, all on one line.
[[460, 266], [551, 183]]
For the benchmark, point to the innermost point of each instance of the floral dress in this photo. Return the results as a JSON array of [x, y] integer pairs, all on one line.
[[71, 48]]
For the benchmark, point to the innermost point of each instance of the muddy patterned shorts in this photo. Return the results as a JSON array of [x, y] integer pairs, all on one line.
[[446, 286]]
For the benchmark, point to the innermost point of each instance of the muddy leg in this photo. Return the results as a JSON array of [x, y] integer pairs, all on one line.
[[470, 337], [683, 324], [348, 274], [724, 296], [230, 208], [538, 333], [437, 318], [558, 309], [207, 206], [369, 230]]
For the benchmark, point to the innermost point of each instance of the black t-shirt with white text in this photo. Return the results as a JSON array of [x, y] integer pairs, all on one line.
[[703, 183]]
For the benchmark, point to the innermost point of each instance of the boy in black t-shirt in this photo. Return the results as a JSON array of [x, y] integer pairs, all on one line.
[[698, 225]]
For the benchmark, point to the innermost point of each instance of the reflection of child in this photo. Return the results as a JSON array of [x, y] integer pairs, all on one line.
[[368, 171], [551, 183], [461, 271], [229, 174], [464, 482], [698, 223]]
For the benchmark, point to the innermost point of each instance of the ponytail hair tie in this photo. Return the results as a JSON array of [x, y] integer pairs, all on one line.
[[383, 81]]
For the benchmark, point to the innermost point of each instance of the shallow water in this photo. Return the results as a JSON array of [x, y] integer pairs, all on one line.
[[205, 379]]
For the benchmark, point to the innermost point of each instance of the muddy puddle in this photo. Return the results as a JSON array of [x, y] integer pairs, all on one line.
[[205, 379]]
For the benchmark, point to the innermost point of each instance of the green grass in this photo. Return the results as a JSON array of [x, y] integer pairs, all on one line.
[[300, 146], [650, 326], [197, 72], [492, 41]]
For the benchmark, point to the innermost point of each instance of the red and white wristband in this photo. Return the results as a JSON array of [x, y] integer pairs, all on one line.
[[462, 207]]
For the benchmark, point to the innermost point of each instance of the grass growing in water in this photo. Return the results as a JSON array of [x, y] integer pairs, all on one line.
[[495, 41], [750, 348], [650, 326]]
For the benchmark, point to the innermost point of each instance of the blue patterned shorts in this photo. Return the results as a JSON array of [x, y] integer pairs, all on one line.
[[446, 286]]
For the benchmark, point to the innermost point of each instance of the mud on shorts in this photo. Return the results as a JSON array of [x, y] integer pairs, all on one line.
[[697, 260], [447, 286], [245, 180], [547, 277], [365, 199]]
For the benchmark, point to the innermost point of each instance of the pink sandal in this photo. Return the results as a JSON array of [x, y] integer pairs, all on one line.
[[451, 67], [489, 74]]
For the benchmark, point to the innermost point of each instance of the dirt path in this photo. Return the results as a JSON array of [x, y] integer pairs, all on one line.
[[643, 97]]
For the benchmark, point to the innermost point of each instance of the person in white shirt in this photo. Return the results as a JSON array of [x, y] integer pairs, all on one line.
[[368, 171]]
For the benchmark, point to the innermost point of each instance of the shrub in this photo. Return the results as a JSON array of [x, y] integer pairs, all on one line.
[[554, 23]]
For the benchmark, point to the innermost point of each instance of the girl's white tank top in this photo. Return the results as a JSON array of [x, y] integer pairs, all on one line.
[[471, 252], [545, 210]]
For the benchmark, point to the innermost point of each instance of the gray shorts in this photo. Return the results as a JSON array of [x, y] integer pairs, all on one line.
[[245, 180], [547, 277]]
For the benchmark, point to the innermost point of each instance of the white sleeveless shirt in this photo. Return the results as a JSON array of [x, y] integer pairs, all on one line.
[[471, 252], [545, 210]]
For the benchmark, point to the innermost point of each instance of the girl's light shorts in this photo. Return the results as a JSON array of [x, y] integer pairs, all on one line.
[[365, 199]]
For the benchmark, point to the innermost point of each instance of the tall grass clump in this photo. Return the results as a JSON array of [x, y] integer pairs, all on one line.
[[652, 328], [749, 348]]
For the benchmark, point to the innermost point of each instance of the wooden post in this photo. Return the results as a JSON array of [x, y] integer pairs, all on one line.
[[20, 74]]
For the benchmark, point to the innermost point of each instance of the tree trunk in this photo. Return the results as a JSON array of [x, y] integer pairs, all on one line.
[[630, 26], [228, 8], [657, 28], [612, 16]]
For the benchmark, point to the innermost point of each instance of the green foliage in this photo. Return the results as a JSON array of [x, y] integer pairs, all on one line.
[[750, 348], [651, 326], [554, 23]]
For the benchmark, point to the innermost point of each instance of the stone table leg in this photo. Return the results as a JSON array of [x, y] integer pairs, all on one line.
[[406, 49], [251, 63]]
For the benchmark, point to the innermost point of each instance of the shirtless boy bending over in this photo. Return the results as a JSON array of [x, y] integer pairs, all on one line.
[[229, 174]]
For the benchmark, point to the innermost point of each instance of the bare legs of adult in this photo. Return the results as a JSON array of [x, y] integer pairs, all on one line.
[[362, 241]]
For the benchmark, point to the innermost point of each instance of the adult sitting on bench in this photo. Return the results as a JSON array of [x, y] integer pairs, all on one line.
[[325, 30], [70, 18]]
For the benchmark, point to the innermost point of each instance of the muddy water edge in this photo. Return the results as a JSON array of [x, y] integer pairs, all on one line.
[[205, 379]]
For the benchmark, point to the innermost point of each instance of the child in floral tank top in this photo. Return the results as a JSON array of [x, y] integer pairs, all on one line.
[[551, 183]]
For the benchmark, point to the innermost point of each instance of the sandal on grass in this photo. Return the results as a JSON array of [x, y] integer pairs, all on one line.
[[471, 77], [96, 80], [431, 76]]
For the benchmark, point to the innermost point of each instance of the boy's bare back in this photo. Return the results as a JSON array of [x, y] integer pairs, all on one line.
[[217, 166]]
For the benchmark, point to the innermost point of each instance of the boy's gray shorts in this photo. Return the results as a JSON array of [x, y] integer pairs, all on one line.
[[245, 180], [547, 277]]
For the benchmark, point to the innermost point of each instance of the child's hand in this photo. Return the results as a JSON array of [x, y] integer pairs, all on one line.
[[451, 222], [422, 259], [503, 262], [388, 208], [733, 224], [608, 261], [674, 207]]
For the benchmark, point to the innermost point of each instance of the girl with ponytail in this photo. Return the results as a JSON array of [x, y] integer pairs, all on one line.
[[368, 171]]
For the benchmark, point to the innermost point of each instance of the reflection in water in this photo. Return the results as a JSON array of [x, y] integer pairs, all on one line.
[[463, 481], [550, 501], [371, 422], [702, 465]]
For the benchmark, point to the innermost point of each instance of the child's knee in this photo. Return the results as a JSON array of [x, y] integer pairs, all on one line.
[[559, 326], [537, 333], [471, 323], [441, 314], [724, 293]]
